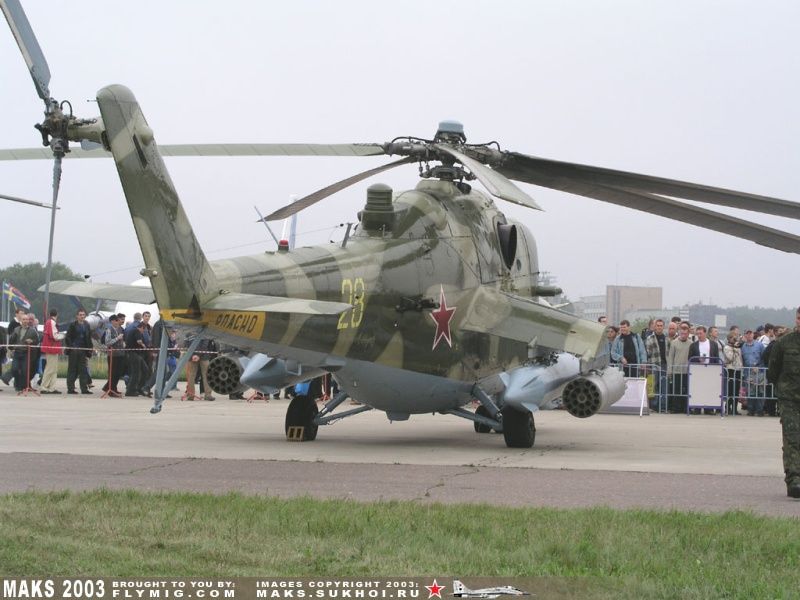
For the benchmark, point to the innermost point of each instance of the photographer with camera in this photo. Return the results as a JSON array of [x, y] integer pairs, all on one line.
[[732, 354]]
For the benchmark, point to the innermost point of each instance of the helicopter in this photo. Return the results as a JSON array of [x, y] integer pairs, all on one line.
[[432, 303]]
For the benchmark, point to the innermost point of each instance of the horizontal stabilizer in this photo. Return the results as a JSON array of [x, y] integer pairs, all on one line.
[[274, 304], [103, 291]]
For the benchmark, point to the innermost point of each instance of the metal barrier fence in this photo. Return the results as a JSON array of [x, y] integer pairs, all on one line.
[[25, 364], [676, 389], [686, 388]]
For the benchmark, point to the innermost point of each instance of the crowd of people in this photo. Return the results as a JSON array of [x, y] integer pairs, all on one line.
[[761, 371], [131, 348], [665, 350]]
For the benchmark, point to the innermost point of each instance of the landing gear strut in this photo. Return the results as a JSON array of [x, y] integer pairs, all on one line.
[[300, 416]]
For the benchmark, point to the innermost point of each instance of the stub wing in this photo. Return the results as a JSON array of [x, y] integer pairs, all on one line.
[[103, 291], [541, 327], [275, 304], [223, 302]]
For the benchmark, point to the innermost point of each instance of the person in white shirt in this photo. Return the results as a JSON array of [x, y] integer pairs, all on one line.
[[703, 348], [769, 334]]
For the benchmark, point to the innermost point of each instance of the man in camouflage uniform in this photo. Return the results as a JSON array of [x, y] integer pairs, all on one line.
[[784, 374]]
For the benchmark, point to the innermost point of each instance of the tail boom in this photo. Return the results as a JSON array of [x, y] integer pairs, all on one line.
[[181, 277]]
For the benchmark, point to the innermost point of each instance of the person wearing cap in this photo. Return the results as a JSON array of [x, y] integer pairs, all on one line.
[[24, 339], [752, 351], [784, 374], [113, 339], [134, 344]]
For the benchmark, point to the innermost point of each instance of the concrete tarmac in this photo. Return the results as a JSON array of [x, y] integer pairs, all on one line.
[[698, 462]]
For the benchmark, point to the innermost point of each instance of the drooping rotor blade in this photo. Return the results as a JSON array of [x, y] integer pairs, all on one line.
[[686, 213], [31, 51], [24, 201], [532, 169], [497, 184], [213, 150], [307, 201]]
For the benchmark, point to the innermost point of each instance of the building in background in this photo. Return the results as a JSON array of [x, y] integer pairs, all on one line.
[[591, 308], [645, 314], [624, 299]]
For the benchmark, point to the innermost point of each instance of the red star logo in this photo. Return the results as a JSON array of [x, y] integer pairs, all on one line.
[[442, 317], [435, 589]]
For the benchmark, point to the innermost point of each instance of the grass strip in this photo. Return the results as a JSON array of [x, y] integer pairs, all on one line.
[[621, 553]]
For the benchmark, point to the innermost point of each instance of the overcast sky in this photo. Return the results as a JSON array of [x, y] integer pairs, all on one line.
[[701, 91]]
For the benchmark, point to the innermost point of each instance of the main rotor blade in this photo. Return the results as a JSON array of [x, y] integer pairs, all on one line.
[[271, 150], [212, 150], [307, 201], [24, 201], [46, 152], [497, 184], [31, 51], [533, 169], [686, 213]]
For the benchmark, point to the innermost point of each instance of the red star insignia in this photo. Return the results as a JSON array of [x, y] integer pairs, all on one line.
[[442, 317], [435, 589]]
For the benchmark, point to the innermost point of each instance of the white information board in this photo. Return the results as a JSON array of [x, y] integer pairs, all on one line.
[[705, 385], [633, 401]]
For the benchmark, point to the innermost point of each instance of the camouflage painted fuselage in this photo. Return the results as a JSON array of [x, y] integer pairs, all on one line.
[[431, 250]]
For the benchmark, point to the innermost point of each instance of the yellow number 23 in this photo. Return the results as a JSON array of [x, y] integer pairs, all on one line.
[[352, 293]]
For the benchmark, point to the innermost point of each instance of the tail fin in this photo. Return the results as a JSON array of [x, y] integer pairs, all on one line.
[[178, 270], [458, 588]]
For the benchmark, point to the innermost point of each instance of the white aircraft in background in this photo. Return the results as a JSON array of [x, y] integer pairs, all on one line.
[[462, 591], [98, 319], [129, 308]]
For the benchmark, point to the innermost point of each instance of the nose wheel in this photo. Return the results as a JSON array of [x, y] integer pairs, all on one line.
[[299, 425]]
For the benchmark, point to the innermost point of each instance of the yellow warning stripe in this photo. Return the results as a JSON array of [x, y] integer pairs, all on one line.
[[248, 324]]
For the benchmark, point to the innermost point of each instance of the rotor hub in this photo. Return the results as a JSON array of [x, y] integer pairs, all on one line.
[[450, 131]]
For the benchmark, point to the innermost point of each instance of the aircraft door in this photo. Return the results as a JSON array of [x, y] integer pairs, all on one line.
[[497, 249]]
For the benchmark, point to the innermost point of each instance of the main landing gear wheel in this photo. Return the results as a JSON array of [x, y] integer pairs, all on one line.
[[482, 411], [519, 430], [300, 426]]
